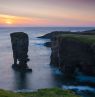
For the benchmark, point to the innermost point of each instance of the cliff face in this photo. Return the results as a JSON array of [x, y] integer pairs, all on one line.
[[72, 51], [70, 55]]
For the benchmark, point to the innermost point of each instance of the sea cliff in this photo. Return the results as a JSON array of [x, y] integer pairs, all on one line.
[[72, 52]]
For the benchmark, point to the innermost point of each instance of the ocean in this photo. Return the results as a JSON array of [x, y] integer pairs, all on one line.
[[43, 75]]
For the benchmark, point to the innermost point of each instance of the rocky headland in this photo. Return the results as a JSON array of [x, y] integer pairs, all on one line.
[[72, 52]]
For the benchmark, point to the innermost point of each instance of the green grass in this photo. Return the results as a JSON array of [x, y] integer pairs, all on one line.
[[4, 93], [89, 39], [55, 92]]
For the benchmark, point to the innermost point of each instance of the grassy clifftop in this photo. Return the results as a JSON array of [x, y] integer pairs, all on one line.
[[40, 93], [89, 39]]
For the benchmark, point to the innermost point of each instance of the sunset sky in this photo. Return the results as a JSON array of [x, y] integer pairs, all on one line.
[[47, 13]]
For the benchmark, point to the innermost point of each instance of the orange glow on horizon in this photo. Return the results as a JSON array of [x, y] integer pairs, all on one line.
[[17, 20], [8, 20]]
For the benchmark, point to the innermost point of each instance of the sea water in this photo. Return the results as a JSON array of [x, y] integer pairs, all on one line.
[[43, 75]]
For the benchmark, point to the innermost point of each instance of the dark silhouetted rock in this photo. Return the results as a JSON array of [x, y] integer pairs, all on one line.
[[56, 33], [20, 44], [47, 44], [70, 55], [73, 52], [76, 55], [52, 34]]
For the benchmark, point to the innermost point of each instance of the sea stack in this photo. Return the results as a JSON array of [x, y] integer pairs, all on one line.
[[20, 43]]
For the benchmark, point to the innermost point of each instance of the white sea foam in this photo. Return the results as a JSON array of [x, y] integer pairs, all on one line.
[[79, 88]]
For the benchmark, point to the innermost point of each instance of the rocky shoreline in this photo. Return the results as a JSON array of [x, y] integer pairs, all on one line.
[[72, 52]]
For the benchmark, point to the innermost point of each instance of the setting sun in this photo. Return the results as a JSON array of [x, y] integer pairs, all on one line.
[[9, 22], [7, 19]]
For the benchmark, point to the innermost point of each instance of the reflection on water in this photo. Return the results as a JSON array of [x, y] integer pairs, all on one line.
[[20, 80]]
